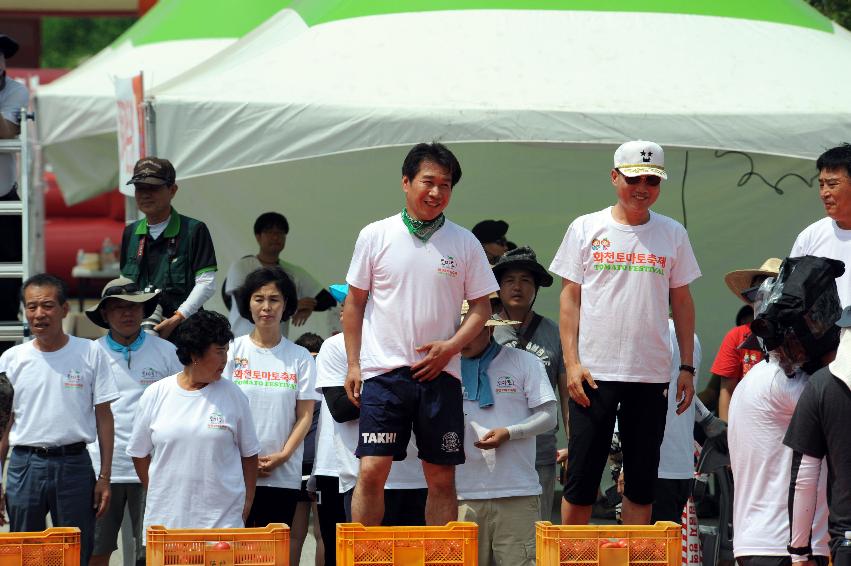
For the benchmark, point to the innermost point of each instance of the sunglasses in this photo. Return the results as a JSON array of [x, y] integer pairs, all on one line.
[[651, 180], [129, 289]]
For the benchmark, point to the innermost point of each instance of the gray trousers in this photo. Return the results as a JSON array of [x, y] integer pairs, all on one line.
[[547, 479]]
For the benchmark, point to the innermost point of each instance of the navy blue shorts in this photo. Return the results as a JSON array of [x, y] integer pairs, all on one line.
[[392, 404]]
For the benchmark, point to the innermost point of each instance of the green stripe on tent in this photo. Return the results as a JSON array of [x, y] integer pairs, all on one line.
[[793, 12], [169, 20]]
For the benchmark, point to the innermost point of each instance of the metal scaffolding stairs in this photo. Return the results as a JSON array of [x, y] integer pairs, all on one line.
[[16, 330]]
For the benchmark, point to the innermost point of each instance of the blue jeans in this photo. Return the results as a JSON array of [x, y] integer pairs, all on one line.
[[64, 486]]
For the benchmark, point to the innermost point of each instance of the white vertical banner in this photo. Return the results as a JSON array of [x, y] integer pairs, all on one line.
[[129, 95]]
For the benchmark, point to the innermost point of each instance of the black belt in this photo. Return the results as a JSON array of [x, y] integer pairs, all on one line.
[[67, 450]]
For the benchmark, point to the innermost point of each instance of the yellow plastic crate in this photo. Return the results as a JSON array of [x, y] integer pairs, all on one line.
[[608, 545], [455, 544], [59, 546], [267, 546]]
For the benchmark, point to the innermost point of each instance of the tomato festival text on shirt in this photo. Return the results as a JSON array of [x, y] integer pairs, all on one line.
[[265, 378], [623, 261]]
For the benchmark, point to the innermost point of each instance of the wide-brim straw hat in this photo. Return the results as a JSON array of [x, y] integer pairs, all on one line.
[[740, 280], [126, 290]]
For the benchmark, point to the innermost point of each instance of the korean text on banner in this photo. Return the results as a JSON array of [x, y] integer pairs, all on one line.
[[131, 127]]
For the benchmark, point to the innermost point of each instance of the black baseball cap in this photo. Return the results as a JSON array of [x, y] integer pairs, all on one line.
[[8, 46], [153, 171]]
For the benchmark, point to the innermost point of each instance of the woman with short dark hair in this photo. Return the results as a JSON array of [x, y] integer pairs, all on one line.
[[193, 443], [278, 378]]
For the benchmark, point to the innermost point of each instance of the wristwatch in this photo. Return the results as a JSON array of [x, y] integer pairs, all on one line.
[[688, 368]]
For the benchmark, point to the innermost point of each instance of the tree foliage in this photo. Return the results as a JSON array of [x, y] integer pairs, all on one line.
[[837, 10], [67, 42]]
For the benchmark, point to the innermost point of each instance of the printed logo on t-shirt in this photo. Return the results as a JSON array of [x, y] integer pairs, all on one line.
[[244, 375], [600, 244], [216, 420], [73, 379], [448, 266], [451, 443], [149, 376], [506, 385], [605, 260]]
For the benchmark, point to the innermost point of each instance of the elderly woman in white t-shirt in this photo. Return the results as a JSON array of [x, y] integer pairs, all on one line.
[[193, 443], [278, 378]]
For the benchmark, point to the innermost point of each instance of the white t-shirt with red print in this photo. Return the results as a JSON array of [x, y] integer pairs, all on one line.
[[273, 379], [626, 273]]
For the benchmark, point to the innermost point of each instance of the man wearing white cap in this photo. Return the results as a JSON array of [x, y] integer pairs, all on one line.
[[620, 268], [137, 360]]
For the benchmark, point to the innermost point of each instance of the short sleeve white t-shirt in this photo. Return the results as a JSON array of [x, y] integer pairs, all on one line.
[[273, 380], [416, 290], [825, 238], [760, 412], [305, 286], [331, 368], [153, 361], [626, 274], [12, 98], [676, 454], [56, 392], [325, 462], [519, 383], [196, 440]]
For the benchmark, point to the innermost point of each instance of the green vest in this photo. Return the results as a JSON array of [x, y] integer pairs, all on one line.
[[172, 273]]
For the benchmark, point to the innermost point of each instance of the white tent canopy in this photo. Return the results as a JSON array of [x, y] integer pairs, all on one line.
[[534, 102], [511, 75], [76, 113]]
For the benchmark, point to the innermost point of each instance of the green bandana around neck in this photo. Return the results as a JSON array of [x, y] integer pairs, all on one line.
[[422, 229]]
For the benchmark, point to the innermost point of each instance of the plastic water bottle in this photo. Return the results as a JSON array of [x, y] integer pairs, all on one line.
[[107, 254], [81, 256]]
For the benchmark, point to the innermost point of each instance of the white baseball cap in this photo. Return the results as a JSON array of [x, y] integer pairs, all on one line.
[[639, 157]]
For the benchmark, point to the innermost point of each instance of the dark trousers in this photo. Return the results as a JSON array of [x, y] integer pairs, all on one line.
[[402, 507], [331, 510], [60, 485], [671, 498]]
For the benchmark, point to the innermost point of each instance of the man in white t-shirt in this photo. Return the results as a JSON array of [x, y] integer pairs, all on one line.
[[508, 401], [831, 236], [270, 231], [417, 268], [137, 360], [63, 389], [620, 267], [795, 322]]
